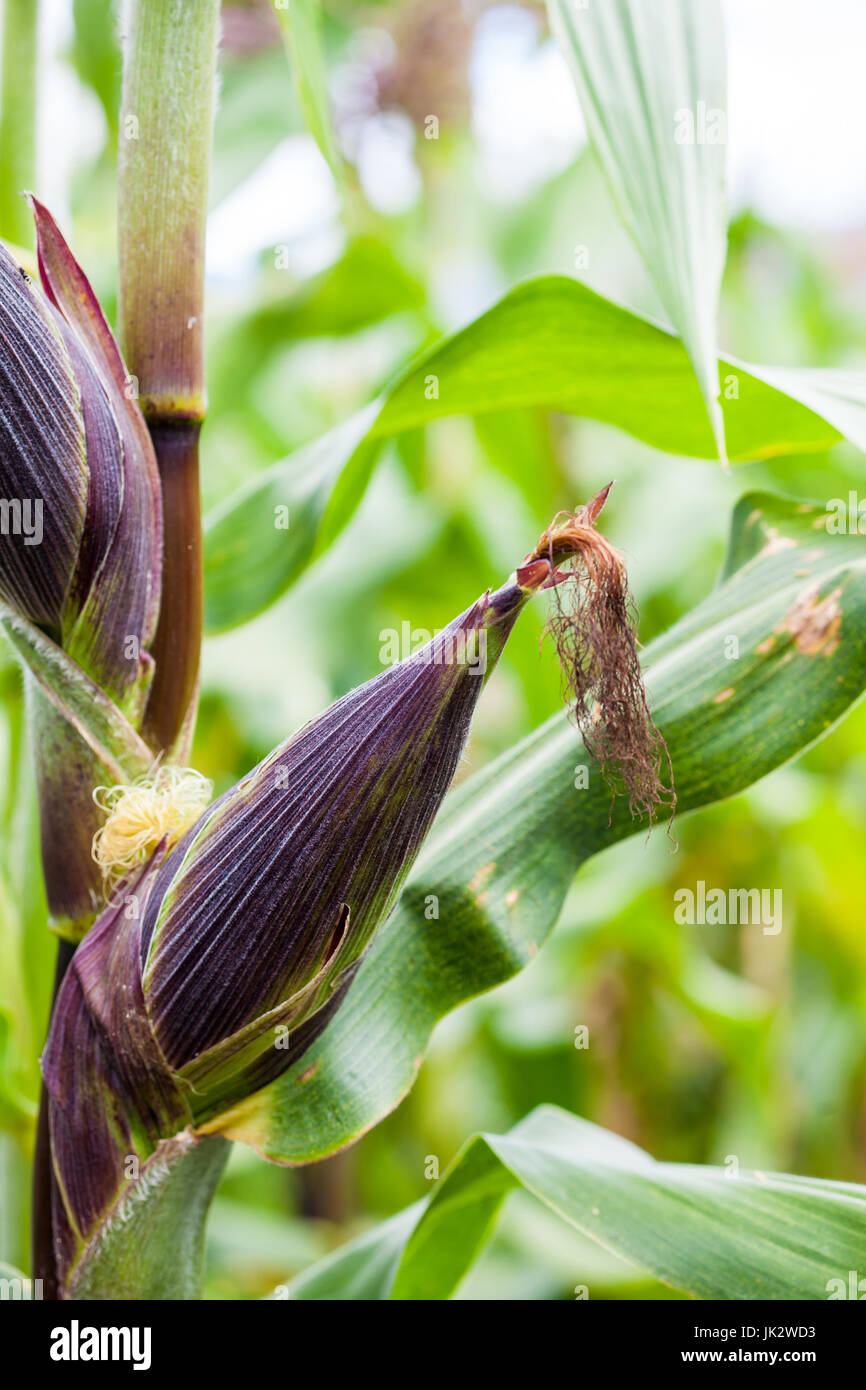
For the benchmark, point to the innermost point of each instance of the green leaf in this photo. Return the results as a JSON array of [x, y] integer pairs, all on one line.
[[104, 728], [550, 342], [362, 1269], [301, 24], [651, 81], [152, 1244], [837, 395], [699, 1229], [503, 853], [262, 538], [20, 21]]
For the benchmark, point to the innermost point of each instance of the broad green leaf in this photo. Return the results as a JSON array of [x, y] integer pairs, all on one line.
[[263, 537], [509, 841], [699, 1229], [364, 1269], [651, 79], [551, 342], [837, 395], [104, 728], [301, 24], [152, 1244]]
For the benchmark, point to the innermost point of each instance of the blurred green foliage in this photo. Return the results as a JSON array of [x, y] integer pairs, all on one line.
[[703, 1047]]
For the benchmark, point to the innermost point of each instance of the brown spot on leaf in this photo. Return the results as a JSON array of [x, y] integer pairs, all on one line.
[[774, 542], [767, 645], [723, 695], [483, 873], [814, 622], [308, 1074]]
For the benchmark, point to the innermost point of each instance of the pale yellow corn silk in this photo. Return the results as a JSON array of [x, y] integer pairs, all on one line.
[[161, 804]]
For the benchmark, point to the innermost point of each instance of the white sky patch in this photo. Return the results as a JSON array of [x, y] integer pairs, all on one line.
[[386, 163], [70, 123], [289, 202], [797, 110], [526, 117]]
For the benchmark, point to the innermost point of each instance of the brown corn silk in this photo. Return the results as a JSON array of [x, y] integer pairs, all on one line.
[[593, 625]]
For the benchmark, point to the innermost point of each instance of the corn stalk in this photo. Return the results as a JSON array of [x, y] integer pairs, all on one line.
[[165, 144]]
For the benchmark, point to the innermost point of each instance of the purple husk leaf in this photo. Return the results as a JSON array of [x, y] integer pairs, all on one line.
[[257, 919], [243, 911], [112, 1096], [115, 593], [41, 449]]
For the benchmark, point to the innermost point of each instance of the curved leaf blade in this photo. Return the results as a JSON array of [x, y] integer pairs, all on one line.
[[698, 1229], [363, 1268], [550, 342], [262, 539], [754, 1236]]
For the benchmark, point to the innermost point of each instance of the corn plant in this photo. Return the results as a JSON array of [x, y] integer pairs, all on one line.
[[262, 967]]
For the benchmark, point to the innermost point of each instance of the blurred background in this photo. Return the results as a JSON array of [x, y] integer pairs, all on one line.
[[706, 1042]]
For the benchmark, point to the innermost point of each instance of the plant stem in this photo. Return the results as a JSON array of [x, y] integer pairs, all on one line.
[[177, 643], [166, 128], [18, 118]]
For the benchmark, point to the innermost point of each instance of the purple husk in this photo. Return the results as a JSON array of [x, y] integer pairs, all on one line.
[[257, 918]]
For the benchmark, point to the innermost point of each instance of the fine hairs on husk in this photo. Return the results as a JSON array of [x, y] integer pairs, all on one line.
[[593, 626]]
